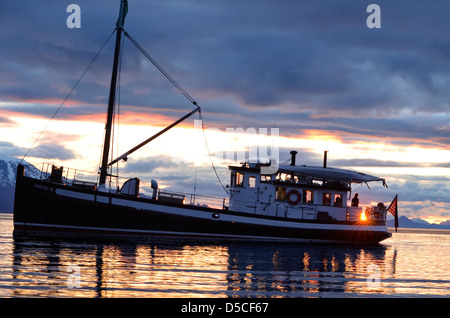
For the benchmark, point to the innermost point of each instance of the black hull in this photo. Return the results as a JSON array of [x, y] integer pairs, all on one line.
[[39, 206]]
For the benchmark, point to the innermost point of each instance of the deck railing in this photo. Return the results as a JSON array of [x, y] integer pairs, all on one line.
[[371, 213], [77, 178], [66, 175], [193, 199]]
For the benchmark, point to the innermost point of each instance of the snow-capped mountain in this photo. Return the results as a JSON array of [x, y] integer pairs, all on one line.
[[8, 169]]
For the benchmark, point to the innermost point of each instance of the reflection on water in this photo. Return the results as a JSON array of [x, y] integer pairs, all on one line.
[[161, 268], [168, 269], [292, 271], [117, 270]]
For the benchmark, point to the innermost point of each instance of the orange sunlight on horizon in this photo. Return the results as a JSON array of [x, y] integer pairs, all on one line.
[[84, 135]]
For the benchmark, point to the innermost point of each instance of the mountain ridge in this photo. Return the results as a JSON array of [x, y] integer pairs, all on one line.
[[416, 223]]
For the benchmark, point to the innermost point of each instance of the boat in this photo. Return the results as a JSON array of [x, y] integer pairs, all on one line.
[[292, 203]]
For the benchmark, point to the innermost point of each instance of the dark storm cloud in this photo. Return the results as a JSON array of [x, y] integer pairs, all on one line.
[[296, 64], [8, 149]]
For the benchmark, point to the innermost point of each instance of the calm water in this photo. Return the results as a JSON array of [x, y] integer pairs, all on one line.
[[409, 264]]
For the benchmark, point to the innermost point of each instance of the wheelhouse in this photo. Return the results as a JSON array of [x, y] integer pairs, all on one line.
[[300, 192]]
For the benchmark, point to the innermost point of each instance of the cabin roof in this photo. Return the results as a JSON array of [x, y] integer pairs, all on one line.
[[330, 174], [320, 173]]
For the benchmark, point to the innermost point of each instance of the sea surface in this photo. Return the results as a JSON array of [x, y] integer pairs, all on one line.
[[413, 263]]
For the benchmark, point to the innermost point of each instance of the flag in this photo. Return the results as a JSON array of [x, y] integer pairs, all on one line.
[[393, 209]]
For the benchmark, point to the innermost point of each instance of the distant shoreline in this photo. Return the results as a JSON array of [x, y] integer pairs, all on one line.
[[420, 230]]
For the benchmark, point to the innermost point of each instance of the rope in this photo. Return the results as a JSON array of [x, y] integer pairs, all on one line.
[[182, 91], [185, 94], [163, 72], [209, 153], [68, 95]]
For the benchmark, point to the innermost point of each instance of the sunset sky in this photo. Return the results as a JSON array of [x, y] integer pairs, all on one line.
[[376, 98]]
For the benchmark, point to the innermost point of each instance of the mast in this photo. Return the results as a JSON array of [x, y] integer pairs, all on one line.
[[112, 92]]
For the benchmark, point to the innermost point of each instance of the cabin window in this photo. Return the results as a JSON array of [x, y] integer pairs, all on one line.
[[239, 179], [326, 199], [308, 196], [337, 200], [266, 178], [251, 182], [280, 194], [283, 177]]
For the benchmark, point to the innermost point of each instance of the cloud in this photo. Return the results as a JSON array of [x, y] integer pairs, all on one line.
[[375, 163], [426, 209], [149, 165], [424, 189], [8, 149], [52, 151], [176, 176], [5, 120], [274, 62]]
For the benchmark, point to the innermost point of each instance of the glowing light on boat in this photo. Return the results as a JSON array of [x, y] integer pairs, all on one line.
[[363, 216]]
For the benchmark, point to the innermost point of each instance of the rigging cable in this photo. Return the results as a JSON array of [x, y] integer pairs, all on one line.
[[163, 72], [209, 152], [182, 91], [68, 95]]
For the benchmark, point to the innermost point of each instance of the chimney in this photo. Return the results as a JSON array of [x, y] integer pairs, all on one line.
[[293, 153], [325, 153]]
